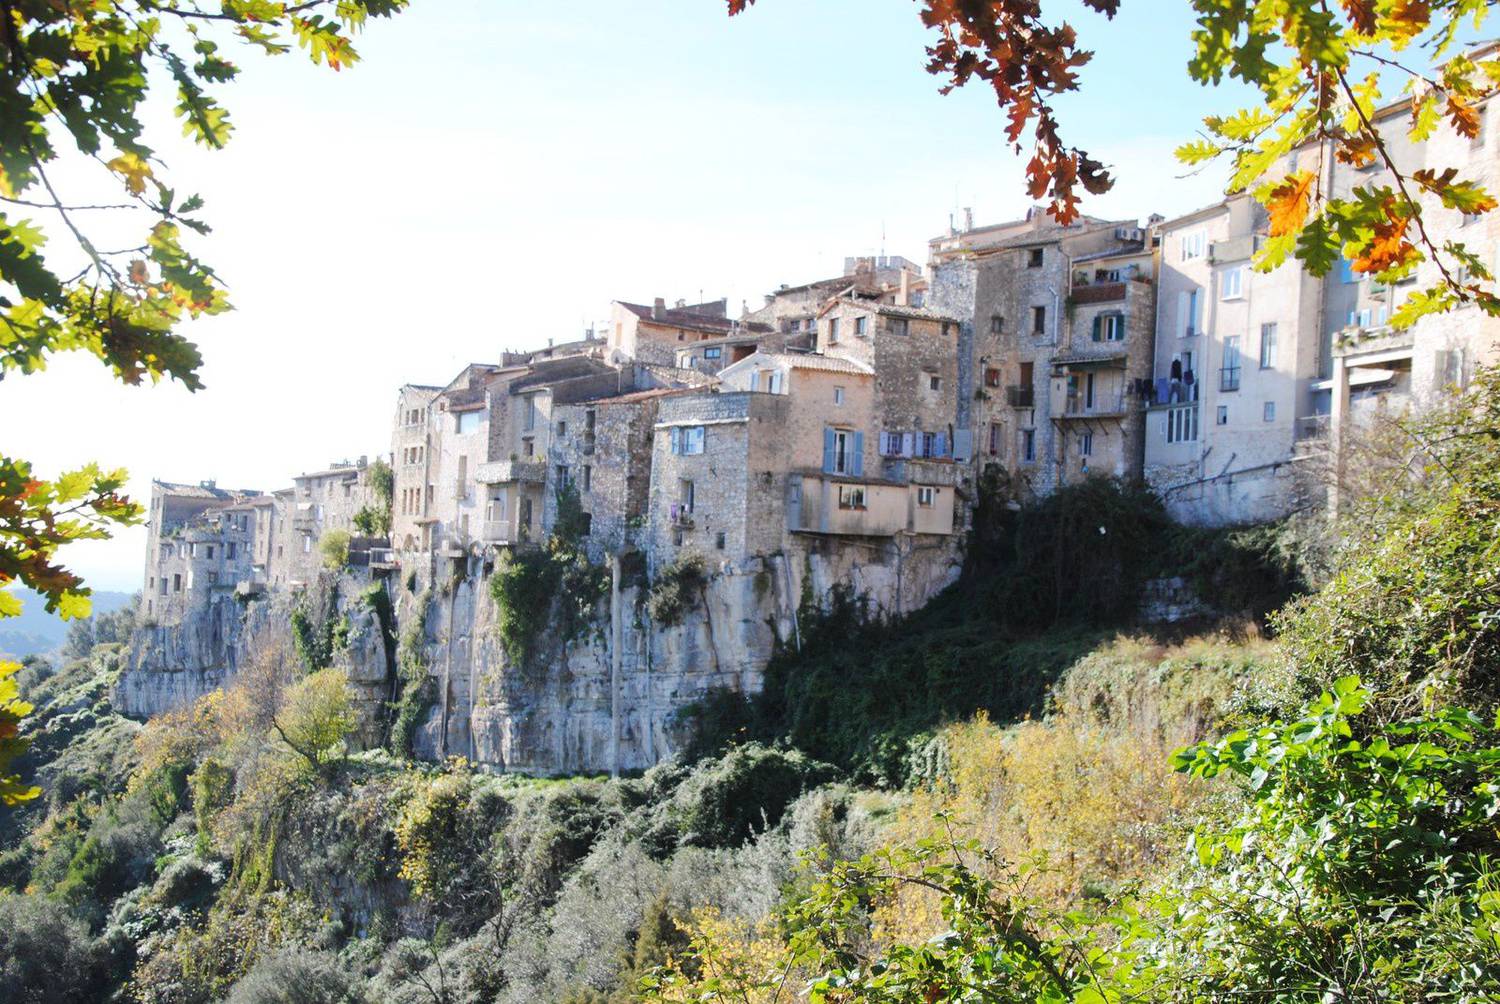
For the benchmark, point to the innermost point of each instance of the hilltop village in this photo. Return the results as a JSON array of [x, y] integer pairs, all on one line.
[[835, 435]]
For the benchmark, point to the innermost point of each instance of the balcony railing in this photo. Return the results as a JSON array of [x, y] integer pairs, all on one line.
[[1229, 378], [1311, 427], [681, 516], [1018, 396], [1080, 406]]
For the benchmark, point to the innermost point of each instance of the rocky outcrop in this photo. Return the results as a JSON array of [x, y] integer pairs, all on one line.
[[609, 698]]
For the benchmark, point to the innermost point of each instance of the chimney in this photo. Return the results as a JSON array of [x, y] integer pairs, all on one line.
[[904, 297], [681, 303], [209, 484], [968, 217], [658, 307], [364, 460]]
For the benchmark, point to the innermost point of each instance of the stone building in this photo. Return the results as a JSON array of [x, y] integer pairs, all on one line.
[[199, 539], [1056, 343], [602, 447], [411, 444], [653, 334], [793, 311]]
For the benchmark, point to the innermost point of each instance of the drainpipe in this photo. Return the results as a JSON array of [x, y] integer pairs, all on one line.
[[614, 665]]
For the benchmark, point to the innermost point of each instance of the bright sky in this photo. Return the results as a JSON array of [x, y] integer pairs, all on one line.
[[495, 172]]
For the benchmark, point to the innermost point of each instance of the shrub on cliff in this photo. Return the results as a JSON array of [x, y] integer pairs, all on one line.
[[297, 976], [333, 545], [46, 956], [725, 802], [677, 589]]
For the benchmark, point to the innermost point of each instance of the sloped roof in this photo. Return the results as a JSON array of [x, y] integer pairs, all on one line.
[[679, 317], [204, 491], [804, 361]]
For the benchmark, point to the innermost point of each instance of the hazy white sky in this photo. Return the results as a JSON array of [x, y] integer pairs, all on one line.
[[495, 172]]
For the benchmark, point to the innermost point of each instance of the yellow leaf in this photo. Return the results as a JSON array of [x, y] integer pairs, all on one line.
[[73, 605], [10, 604], [133, 169]]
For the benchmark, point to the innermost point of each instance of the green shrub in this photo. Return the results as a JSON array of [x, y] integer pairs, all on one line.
[[46, 956], [725, 802], [333, 545], [416, 690], [297, 976], [523, 587], [677, 589]]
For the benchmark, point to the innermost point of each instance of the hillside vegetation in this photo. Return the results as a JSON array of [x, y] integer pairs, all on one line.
[[989, 800]]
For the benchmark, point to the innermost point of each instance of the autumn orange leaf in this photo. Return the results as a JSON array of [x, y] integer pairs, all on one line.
[[1288, 203]]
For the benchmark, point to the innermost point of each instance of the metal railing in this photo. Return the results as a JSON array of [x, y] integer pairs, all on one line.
[[1018, 396], [1079, 405], [1311, 427]]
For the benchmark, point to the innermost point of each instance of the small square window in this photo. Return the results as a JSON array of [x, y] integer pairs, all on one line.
[[934, 383], [926, 496], [1268, 413], [1222, 416], [860, 324], [997, 324], [1034, 259]]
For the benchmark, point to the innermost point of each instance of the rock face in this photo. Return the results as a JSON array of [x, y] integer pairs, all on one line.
[[573, 707]]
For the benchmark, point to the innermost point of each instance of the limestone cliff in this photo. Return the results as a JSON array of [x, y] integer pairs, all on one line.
[[572, 707]]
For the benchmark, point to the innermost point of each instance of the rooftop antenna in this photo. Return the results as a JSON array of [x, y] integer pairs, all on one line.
[[882, 238]]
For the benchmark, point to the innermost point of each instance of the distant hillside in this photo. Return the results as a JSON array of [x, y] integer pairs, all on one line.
[[37, 632]]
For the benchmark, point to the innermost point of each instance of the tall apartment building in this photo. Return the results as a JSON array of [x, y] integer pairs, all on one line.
[[1056, 348], [200, 539], [1263, 377]]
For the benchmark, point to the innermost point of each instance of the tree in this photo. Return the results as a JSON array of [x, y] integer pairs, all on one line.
[[1321, 67], [375, 520], [316, 718], [78, 75], [334, 547]]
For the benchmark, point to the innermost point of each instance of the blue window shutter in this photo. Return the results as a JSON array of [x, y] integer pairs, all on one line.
[[1098, 324], [963, 445], [908, 444], [941, 448], [827, 451], [676, 434], [1119, 327], [859, 454]]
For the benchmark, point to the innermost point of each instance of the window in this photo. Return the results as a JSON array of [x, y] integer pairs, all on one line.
[[307, 543], [687, 439], [587, 481], [1221, 417], [1480, 136], [564, 477], [1229, 373], [995, 434], [838, 396], [860, 324], [1268, 412], [947, 329], [1346, 272], [1182, 424], [719, 541], [1034, 258], [934, 382], [164, 585], [210, 552], [842, 442], [1028, 446], [833, 329], [1232, 285], [1267, 346], [177, 583], [233, 551], [713, 353], [794, 325], [1109, 327], [1187, 313], [562, 428], [997, 324], [687, 496], [1086, 445], [530, 417], [1039, 320], [991, 377], [900, 326], [852, 497], [585, 523], [926, 496], [1192, 246], [467, 421]]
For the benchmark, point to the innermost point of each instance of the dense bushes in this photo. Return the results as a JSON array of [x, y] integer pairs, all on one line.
[[46, 956], [677, 589]]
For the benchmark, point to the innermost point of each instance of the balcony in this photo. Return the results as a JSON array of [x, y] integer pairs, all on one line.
[[1018, 396], [1311, 428], [503, 533], [305, 523], [384, 559], [680, 516], [1101, 405], [1104, 292], [508, 471], [1229, 378]]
